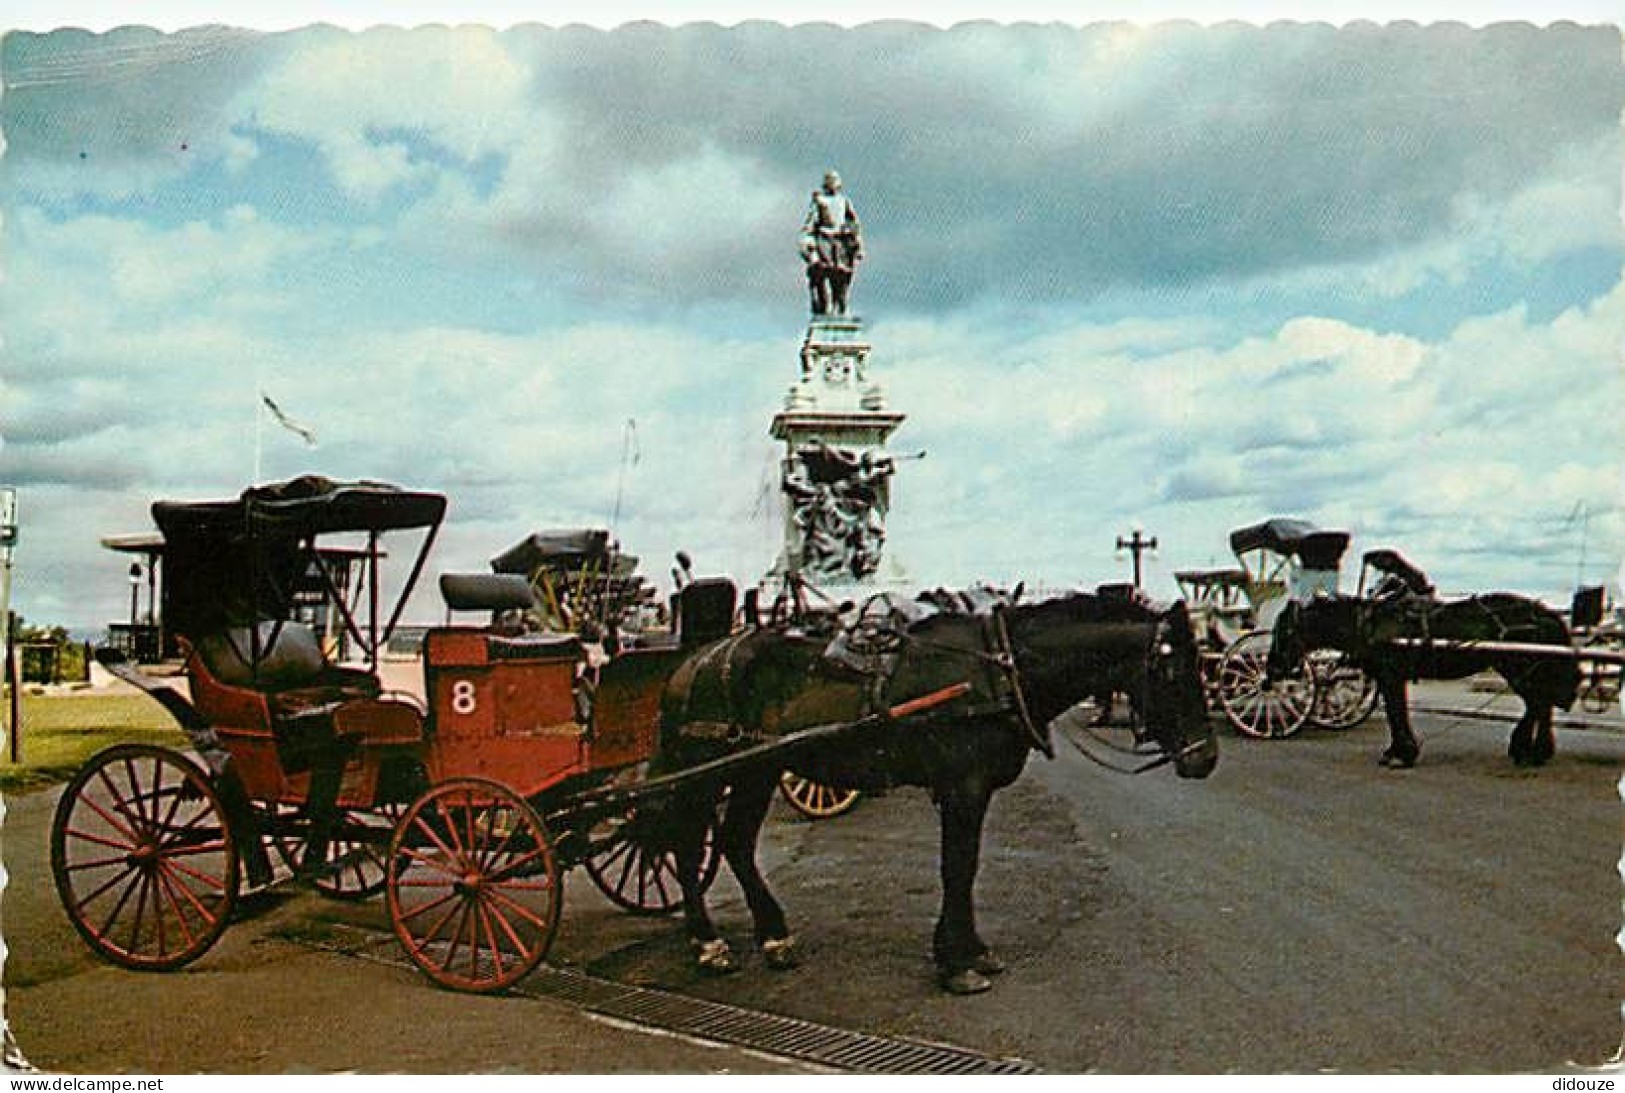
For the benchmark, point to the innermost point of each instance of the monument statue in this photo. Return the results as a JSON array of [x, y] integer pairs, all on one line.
[[831, 246], [834, 495]]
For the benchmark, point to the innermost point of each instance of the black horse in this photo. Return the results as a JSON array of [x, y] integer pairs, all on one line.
[[1025, 664], [1409, 635]]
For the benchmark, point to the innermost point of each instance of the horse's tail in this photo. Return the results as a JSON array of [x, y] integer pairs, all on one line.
[[1561, 678], [1554, 679]]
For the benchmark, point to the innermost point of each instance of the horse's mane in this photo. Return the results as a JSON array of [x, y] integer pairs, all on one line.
[[1080, 606], [951, 608]]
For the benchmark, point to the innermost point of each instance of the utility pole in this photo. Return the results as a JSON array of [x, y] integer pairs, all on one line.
[[8, 673], [1580, 566], [1137, 544]]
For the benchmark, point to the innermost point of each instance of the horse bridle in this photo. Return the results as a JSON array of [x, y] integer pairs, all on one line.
[[1163, 759]]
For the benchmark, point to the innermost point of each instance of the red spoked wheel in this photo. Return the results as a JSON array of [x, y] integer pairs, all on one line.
[[143, 857], [636, 877], [474, 886], [355, 853]]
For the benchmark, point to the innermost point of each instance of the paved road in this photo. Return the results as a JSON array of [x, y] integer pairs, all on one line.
[[1301, 910]]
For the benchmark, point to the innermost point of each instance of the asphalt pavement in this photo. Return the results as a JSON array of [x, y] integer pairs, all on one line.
[[1302, 910]]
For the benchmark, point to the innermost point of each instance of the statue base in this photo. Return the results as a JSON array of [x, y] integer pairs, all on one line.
[[836, 471]]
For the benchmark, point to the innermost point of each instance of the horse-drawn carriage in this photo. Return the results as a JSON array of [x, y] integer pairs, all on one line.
[[1280, 561], [526, 757], [464, 807], [1397, 629]]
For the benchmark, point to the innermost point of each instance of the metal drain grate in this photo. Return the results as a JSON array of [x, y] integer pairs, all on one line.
[[768, 1033], [791, 1037]]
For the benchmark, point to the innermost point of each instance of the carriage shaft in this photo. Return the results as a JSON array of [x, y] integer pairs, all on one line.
[[1514, 648]]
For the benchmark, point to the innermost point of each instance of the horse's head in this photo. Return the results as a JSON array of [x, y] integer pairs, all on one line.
[[1068, 648], [1174, 707]]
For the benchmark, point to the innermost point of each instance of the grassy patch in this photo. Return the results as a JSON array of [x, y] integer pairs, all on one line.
[[61, 731]]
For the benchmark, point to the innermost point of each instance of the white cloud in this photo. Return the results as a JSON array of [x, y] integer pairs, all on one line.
[[362, 98], [1020, 167]]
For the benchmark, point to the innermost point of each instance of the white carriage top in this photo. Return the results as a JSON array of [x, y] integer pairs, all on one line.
[[1287, 559]]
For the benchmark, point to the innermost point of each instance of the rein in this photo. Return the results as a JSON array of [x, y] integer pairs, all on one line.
[[1160, 761]]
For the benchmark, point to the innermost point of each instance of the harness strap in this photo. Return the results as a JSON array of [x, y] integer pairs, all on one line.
[[724, 649], [1007, 661], [1000, 656]]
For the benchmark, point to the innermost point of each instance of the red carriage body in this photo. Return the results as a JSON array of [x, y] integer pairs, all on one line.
[[446, 802]]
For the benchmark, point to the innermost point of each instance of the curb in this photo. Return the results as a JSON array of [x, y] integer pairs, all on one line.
[[1560, 720]]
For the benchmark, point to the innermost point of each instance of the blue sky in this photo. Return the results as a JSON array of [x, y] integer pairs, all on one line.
[[1181, 277]]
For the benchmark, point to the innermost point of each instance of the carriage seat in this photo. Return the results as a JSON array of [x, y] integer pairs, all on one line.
[[290, 660], [295, 694], [508, 596], [703, 610], [543, 645]]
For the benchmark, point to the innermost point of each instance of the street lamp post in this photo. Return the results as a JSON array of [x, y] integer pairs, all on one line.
[[135, 596], [1136, 544]]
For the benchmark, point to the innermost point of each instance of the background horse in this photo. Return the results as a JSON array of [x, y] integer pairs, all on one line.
[[1443, 633], [1026, 665]]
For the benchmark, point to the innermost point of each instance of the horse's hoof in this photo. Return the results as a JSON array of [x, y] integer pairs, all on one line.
[[988, 963], [714, 957], [780, 953], [965, 981]]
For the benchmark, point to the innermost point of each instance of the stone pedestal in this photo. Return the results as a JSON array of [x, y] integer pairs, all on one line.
[[836, 473]]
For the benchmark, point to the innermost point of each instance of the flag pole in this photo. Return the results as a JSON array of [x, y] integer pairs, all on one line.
[[628, 438], [259, 427]]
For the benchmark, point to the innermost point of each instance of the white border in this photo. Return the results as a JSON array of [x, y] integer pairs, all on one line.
[[359, 14]]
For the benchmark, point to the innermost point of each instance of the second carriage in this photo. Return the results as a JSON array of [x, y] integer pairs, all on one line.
[[1279, 560]]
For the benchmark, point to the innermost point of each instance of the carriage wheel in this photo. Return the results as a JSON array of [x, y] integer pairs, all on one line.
[[355, 853], [814, 799], [143, 857], [639, 879], [1344, 695], [1256, 705], [474, 887], [1599, 681]]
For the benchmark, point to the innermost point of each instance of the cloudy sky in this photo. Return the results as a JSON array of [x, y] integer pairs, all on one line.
[[1176, 277]]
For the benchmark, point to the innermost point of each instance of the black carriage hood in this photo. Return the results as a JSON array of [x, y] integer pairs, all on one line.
[[1214, 578], [301, 507], [231, 563], [1317, 549], [566, 547], [1392, 562]]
